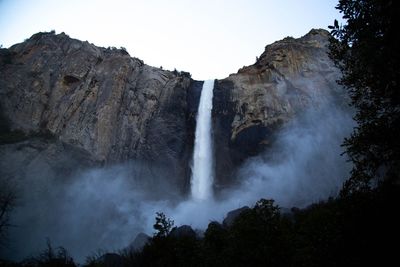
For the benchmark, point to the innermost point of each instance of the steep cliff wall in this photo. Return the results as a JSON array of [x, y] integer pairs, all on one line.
[[249, 106], [115, 108], [100, 100]]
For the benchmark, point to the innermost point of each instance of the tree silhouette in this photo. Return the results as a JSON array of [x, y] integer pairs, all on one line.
[[365, 49], [163, 225]]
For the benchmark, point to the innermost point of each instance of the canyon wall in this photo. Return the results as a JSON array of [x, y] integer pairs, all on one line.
[[100, 106]]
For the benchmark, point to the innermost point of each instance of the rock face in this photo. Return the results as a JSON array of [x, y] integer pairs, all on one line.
[[99, 100], [251, 105], [41, 159], [183, 231], [114, 108]]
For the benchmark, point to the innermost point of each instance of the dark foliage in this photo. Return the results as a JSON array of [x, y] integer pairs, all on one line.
[[366, 51], [50, 257], [355, 230], [8, 198], [163, 225]]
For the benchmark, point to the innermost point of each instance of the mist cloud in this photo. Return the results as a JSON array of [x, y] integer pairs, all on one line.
[[105, 208], [305, 164]]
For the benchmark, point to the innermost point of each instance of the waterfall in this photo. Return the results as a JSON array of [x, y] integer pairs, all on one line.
[[202, 170]]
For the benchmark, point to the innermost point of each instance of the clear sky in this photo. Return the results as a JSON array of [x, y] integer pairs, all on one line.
[[208, 38]]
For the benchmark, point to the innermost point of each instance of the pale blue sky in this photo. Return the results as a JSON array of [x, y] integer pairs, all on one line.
[[210, 39]]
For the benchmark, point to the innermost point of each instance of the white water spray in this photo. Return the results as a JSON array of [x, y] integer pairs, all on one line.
[[202, 171]]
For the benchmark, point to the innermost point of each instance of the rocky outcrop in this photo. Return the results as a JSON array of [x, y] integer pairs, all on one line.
[[183, 231], [249, 106], [232, 215], [99, 100], [114, 108]]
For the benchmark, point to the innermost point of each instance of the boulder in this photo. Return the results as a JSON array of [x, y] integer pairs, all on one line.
[[183, 231], [232, 215]]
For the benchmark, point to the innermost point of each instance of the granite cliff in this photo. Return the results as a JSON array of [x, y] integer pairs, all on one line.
[[252, 104], [63, 98], [110, 106]]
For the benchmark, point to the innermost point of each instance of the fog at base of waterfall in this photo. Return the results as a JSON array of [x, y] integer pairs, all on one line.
[[202, 169], [104, 208], [303, 166]]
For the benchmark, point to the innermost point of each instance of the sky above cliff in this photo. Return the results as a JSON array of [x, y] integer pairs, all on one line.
[[208, 38]]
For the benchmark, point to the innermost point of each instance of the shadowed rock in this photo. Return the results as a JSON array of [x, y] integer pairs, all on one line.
[[140, 241], [183, 231], [232, 215]]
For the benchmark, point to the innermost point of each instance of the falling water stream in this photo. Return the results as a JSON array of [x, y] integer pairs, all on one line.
[[202, 170]]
